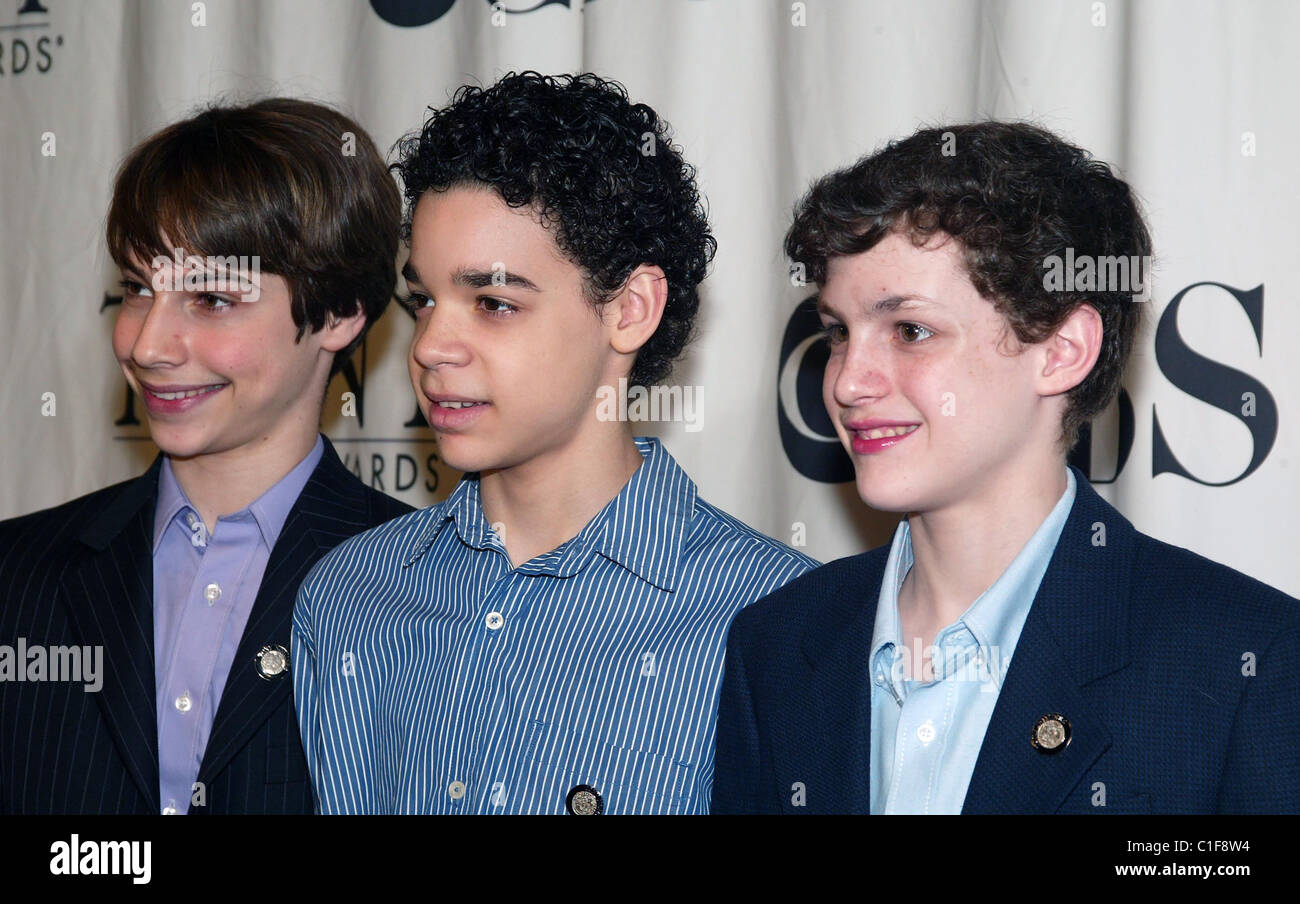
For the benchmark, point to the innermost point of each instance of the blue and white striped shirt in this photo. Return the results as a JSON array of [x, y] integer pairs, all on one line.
[[431, 677]]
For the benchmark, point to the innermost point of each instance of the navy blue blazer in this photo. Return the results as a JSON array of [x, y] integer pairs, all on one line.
[[1139, 644], [82, 574]]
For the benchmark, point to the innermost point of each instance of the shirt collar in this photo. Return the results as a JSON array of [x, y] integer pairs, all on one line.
[[994, 619], [641, 529], [270, 510]]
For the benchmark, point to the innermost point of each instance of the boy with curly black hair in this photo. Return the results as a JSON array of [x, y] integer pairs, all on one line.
[[550, 637]]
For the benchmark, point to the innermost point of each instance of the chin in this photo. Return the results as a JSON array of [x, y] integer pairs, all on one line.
[[458, 454], [885, 503], [884, 493], [179, 447]]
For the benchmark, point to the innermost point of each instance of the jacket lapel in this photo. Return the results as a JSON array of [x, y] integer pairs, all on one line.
[[331, 508], [833, 733], [108, 593], [1074, 634]]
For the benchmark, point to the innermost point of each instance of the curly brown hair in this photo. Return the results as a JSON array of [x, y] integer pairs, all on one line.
[[1014, 196]]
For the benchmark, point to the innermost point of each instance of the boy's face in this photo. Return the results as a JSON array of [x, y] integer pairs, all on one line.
[[236, 349], [934, 356], [501, 320]]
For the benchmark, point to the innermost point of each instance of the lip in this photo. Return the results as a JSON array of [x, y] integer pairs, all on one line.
[[863, 446], [158, 405], [453, 419]]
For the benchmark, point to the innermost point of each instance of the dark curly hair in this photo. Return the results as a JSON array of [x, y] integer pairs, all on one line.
[[1013, 195], [601, 172]]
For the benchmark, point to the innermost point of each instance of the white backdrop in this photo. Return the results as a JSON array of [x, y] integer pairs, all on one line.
[[1195, 102]]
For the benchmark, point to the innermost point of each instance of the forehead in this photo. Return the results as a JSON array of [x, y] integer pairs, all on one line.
[[473, 226], [897, 271]]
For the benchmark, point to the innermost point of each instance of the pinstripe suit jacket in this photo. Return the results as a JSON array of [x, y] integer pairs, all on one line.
[[82, 574], [1180, 678]]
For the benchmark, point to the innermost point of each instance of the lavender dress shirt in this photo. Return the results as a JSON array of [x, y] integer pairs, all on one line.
[[204, 589]]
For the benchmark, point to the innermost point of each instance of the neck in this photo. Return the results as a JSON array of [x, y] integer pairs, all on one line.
[[550, 498], [222, 483], [959, 551]]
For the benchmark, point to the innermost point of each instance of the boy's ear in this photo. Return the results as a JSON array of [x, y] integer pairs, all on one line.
[[637, 308], [338, 332], [1070, 353]]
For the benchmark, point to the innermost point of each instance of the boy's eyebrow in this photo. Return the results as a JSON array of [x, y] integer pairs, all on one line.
[[882, 306], [476, 279], [481, 279], [894, 302], [251, 278]]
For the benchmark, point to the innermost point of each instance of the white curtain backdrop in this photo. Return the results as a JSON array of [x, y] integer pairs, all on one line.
[[1195, 102]]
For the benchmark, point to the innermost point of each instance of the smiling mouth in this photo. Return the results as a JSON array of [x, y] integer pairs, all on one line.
[[178, 391], [188, 394], [454, 405], [882, 432]]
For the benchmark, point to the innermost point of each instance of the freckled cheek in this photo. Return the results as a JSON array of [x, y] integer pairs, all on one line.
[[976, 404], [924, 382]]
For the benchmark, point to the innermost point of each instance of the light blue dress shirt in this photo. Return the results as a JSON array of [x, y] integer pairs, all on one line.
[[204, 590], [430, 676], [926, 737]]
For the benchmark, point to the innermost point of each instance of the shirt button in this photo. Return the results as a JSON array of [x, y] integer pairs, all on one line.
[[183, 703], [456, 790], [494, 620], [925, 734], [212, 593]]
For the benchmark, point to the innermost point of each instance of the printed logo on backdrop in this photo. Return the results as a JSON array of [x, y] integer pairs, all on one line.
[[807, 434], [813, 449], [391, 470], [415, 13], [28, 42]]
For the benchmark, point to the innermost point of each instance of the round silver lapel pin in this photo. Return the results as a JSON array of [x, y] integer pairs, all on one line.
[[1051, 733], [272, 661]]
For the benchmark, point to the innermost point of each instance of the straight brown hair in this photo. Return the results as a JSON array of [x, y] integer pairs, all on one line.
[[296, 183]]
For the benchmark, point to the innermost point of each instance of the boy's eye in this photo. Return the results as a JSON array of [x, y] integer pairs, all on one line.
[[912, 329], [131, 287], [417, 301], [214, 302], [496, 307], [835, 333]]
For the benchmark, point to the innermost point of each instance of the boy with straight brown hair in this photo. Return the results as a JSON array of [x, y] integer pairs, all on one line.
[[257, 245]]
